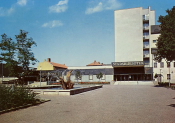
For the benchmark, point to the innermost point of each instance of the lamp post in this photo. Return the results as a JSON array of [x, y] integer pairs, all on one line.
[[2, 72], [169, 74], [48, 78], [160, 75], [40, 76]]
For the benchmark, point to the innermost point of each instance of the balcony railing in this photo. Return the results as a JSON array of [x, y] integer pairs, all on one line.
[[145, 37], [145, 17], [146, 28], [146, 64], [145, 46], [146, 56]]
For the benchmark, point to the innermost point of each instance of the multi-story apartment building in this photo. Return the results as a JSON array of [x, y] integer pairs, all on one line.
[[163, 69], [133, 59]]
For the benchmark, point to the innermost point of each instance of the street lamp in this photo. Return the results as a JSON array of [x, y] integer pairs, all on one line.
[[160, 75], [40, 76], [48, 78], [2, 72]]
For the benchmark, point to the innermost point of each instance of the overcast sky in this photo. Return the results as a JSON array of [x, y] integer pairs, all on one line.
[[71, 32]]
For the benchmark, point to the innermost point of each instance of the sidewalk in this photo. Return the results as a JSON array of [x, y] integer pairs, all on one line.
[[110, 104]]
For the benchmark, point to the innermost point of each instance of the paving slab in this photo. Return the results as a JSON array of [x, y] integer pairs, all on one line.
[[110, 104]]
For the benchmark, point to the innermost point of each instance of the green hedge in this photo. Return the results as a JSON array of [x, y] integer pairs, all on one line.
[[166, 84], [13, 96]]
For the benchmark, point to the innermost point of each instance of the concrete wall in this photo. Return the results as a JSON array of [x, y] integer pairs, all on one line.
[[128, 35]]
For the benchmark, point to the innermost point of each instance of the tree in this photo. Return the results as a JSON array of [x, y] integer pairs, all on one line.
[[166, 41], [25, 54], [18, 54], [78, 75], [155, 76], [99, 76], [8, 49]]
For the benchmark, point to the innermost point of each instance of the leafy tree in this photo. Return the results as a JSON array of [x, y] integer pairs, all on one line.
[[18, 54], [99, 76], [78, 75], [25, 54], [166, 41], [155, 76], [8, 49]]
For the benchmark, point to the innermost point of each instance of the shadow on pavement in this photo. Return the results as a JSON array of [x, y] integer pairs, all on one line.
[[157, 86], [172, 105]]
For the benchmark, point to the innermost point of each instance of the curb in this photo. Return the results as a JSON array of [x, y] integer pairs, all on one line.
[[24, 106]]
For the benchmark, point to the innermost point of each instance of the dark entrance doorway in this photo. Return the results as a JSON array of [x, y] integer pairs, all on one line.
[[131, 74], [132, 77]]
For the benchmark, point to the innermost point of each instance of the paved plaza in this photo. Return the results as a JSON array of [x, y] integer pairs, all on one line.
[[110, 104]]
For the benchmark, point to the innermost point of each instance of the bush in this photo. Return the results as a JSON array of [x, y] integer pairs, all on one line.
[[163, 84], [13, 96]]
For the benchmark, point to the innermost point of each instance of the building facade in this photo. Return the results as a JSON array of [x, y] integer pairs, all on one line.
[[89, 73], [51, 71], [132, 44], [48, 65], [135, 45], [164, 71]]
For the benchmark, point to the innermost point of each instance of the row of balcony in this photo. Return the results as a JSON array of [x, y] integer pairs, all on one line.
[[146, 38]]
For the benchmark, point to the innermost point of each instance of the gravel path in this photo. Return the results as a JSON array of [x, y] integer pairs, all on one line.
[[110, 104]]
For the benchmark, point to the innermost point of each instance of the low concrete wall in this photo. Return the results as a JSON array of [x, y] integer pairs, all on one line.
[[67, 92], [134, 83]]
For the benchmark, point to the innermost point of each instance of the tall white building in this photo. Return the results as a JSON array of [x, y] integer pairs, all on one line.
[[132, 44], [132, 32], [135, 44]]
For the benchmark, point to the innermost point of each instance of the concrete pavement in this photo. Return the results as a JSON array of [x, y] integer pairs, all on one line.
[[110, 104]]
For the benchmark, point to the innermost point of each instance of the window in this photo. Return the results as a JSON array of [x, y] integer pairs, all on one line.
[[168, 76], [146, 52], [161, 64], [90, 77], [146, 34], [154, 41], [146, 25], [168, 64], [154, 56], [155, 64]]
